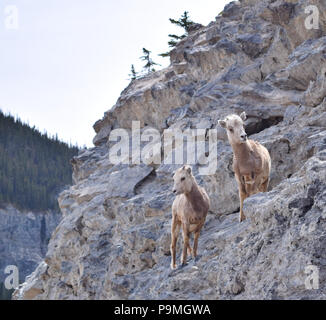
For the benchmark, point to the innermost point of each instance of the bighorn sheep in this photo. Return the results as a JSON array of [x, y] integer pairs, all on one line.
[[189, 210], [251, 160]]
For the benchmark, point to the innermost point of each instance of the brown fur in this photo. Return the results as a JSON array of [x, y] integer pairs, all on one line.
[[189, 211], [251, 160]]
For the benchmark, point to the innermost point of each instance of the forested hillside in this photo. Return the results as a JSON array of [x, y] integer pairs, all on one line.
[[33, 167]]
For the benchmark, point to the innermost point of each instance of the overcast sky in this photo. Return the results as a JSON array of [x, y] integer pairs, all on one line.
[[64, 63]]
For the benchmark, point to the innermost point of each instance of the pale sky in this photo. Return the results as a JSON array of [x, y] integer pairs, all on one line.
[[67, 61]]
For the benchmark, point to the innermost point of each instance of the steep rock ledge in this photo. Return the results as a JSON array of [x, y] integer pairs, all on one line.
[[113, 241]]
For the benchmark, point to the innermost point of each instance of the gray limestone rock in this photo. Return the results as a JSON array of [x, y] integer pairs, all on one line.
[[113, 241]]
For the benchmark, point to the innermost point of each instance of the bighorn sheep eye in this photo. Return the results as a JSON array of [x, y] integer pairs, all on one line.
[[183, 179], [231, 130]]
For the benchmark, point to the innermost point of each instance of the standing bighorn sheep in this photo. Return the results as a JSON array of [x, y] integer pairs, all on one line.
[[251, 160], [189, 210]]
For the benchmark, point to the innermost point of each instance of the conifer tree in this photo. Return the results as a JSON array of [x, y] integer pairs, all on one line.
[[148, 67], [133, 73], [185, 23]]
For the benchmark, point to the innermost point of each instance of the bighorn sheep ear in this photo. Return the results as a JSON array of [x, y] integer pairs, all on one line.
[[188, 168], [243, 116], [222, 123]]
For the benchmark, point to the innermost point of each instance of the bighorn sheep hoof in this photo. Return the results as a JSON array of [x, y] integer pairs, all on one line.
[[173, 266], [243, 218]]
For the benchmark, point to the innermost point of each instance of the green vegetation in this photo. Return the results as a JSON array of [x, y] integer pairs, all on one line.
[[149, 66], [133, 73], [185, 23], [33, 167]]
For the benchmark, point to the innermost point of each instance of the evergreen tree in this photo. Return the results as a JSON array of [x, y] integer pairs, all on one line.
[[133, 74], [148, 67], [185, 23]]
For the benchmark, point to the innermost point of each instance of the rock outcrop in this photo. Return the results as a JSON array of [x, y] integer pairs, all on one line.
[[113, 241], [25, 237]]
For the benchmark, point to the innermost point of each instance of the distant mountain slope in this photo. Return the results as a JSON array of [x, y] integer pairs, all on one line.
[[33, 167], [33, 170]]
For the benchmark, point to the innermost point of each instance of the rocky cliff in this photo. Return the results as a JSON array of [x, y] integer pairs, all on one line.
[[24, 239], [264, 57]]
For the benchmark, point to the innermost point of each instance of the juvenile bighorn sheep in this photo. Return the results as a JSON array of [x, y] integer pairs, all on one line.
[[189, 210], [251, 160]]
